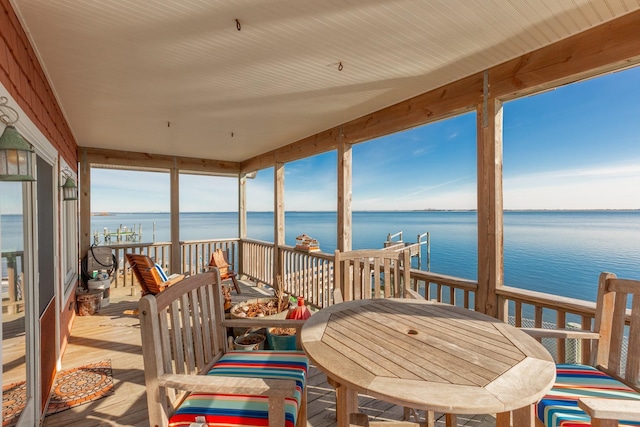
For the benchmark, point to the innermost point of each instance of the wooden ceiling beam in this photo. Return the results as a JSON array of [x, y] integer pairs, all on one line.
[[611, 46], [129, 159]]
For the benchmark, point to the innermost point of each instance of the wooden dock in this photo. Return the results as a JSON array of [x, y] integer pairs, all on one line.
[[116, 336]]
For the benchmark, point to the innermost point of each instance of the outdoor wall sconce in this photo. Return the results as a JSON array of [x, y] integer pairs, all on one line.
[[69, 188], [15, 153]]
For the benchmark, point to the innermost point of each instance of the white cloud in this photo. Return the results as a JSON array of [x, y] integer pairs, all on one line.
[[611, 187]]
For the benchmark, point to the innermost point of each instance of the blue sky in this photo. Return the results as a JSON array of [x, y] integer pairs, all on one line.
[[575, 147]]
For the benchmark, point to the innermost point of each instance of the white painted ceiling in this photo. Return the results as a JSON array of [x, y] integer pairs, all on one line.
[[177, 77]]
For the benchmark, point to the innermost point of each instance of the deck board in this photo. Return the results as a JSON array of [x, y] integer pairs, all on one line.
[[116, 336]]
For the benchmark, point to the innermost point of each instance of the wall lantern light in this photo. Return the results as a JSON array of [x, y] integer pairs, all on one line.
[[15, 153], [69, 188]]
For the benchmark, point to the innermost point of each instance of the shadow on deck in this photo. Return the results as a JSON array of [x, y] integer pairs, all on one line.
[[116, 336]]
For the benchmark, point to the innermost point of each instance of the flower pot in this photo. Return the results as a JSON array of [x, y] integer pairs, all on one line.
[[279, 341], [249, 342]]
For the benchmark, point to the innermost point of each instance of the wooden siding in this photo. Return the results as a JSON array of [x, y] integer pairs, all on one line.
[[24, 78]]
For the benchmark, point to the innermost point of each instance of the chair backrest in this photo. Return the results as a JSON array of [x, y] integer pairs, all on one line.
[[219, 259], [371, 273], [143, 270], [182, 333], [612, 315]]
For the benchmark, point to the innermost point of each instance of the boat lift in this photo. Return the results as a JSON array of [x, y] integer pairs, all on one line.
[[395, 242]]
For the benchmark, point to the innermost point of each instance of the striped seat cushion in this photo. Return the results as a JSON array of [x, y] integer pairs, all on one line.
[[559, 408], [245, 410]]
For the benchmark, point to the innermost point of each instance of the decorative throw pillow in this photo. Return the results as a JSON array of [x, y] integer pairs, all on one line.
[[161, 273]]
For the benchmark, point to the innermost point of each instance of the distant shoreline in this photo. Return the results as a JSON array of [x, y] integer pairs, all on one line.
[[374, 211]]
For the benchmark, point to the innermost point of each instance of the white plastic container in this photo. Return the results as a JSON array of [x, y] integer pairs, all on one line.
[[104, 286]]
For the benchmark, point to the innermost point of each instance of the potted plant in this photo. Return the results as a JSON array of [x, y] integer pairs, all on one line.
[[281, 338], [251, 341]]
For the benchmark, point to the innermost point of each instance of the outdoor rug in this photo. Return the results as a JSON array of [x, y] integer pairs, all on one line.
[[72, 387]]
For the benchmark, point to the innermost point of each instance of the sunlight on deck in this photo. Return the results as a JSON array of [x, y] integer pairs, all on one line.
[[115, 336]]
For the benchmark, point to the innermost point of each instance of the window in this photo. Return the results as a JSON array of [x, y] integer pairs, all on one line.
[[69, 236]]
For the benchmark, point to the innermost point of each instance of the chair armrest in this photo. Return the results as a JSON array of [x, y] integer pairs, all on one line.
[[411, 294], [611, 409], [229, 385], [249, 322], [561, 333]]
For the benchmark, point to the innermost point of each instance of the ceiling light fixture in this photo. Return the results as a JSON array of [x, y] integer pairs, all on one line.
[[69, 188], [15, 153]]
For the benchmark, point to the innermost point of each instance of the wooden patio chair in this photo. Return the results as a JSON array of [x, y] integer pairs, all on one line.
[[220, 260], [193, 378], [149, 275], [371, 273], [607, 388]]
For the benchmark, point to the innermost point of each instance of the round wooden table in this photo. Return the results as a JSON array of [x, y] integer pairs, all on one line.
[[430, 356]]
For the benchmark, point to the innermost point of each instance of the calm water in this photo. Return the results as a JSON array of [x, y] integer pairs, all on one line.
[[549, 251]]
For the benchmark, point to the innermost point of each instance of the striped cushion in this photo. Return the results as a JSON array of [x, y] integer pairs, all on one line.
[[161, 273], [559, 408], [244, 410]]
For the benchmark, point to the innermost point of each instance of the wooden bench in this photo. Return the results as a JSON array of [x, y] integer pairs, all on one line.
[[192, 377]]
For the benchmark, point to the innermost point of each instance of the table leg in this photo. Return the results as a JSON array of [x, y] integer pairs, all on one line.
[[503, 419], [451, 420], [525, 416], [346, 403]]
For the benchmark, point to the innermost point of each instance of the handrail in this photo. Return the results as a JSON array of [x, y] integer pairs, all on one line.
[[443, 288], [310, 274]]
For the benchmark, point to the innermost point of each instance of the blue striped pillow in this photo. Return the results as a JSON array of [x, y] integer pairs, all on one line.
[[161, 273]]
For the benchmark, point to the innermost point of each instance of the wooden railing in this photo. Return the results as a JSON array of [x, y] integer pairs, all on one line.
[[311, 275], [160, 252], [14, 301], [442, 288], [525, 308], [308, 274], [195, 254], [257, 261]]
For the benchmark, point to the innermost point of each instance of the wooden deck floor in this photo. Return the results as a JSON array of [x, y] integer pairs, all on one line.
[[116, 336]]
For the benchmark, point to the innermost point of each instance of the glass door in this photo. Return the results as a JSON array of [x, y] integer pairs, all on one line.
[[17, 378]]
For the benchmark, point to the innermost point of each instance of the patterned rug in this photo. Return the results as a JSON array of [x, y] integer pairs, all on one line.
[[72, 387]]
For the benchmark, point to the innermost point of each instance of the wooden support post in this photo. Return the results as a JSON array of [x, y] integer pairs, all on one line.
[[490, 221], [84, 175], [242, 218], [278, 219], [175, 222], [345, 165], [84, 178]]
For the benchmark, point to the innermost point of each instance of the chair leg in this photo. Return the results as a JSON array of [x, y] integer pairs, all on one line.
[[235, 283]]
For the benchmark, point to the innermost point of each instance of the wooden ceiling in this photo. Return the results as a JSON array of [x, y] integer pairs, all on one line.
[[230, 80]]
